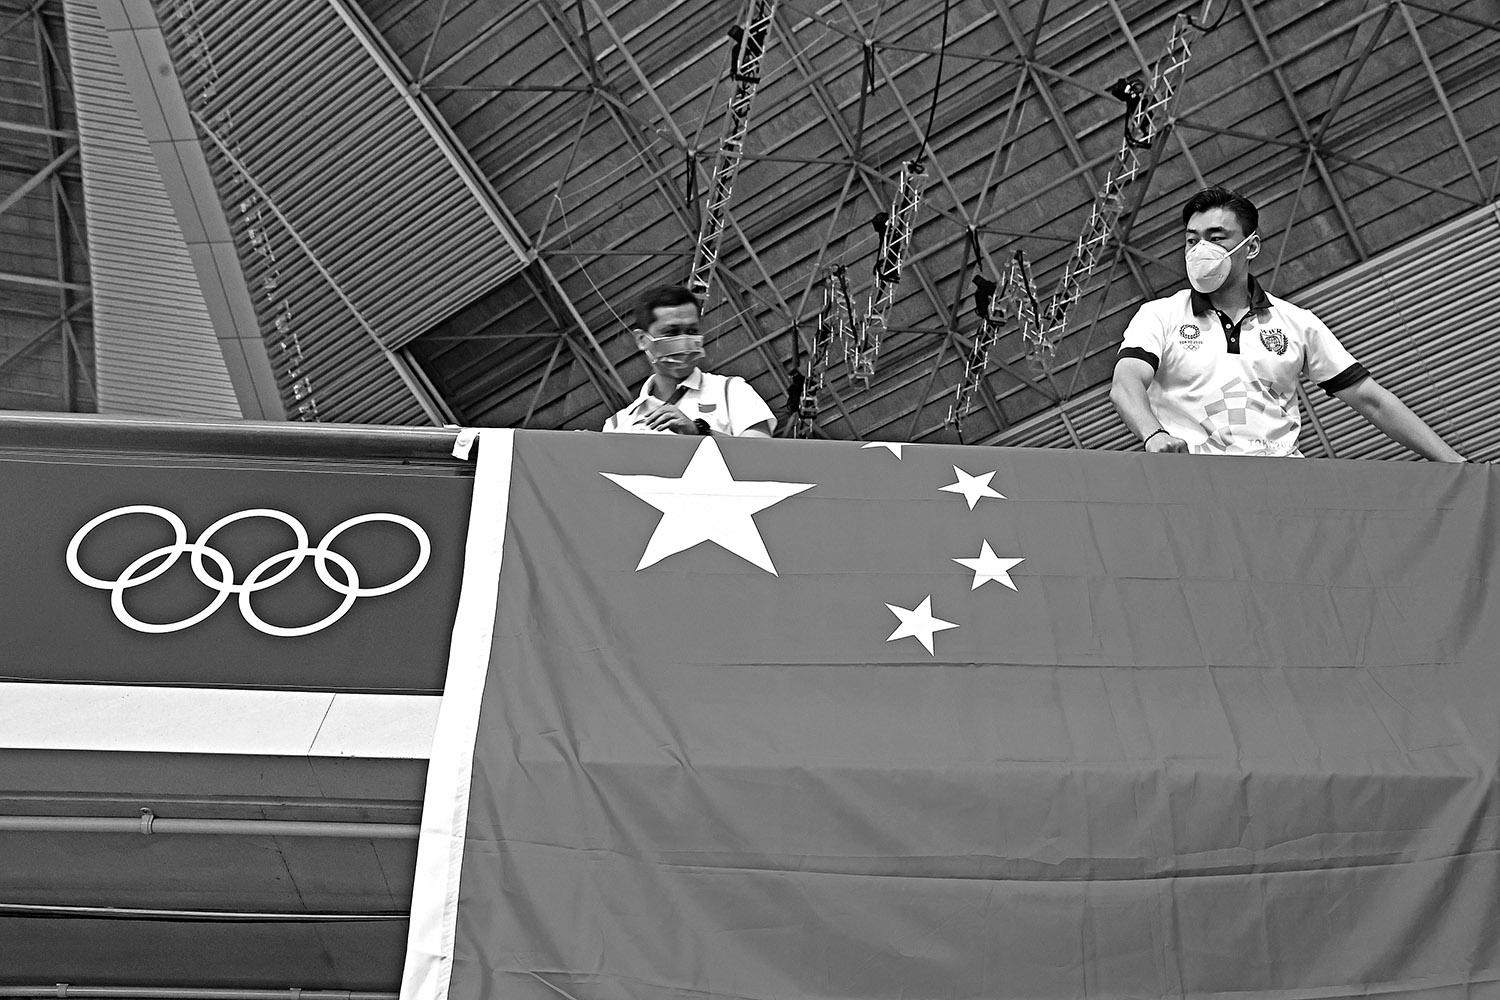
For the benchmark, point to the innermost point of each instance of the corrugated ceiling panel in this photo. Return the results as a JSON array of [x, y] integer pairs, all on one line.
[[588, 121], [1414, 316], [356, 230], [46, 362], [156, 350]]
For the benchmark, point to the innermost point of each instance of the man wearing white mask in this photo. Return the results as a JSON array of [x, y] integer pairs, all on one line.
[[1214, 369], [679, 397]]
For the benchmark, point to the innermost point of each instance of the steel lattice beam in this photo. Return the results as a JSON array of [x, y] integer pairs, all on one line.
[[670, 197], [846, 139]]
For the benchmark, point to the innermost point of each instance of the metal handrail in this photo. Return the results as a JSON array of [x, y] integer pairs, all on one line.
[[258, 438]]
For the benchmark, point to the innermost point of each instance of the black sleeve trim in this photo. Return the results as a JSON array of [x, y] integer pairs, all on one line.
[[1353, 375], [1142, 353]]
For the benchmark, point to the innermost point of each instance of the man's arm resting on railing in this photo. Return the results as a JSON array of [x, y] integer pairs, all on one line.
[[1395, 419]]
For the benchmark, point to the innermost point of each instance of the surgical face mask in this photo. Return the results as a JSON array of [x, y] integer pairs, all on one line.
[[1208, 264], [679, 349]]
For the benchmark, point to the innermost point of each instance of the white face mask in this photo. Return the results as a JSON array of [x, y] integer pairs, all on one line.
[[679, 349], [1208, 264]]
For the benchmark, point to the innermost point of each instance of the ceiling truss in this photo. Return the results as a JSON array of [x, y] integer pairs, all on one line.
[[1353, 124], [46, 338]]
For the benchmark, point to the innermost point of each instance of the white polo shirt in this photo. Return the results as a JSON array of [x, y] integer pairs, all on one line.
[[1231, 389], [726, 403]]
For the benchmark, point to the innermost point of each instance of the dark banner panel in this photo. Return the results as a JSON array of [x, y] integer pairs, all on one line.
[[125, 950], [230, 572]]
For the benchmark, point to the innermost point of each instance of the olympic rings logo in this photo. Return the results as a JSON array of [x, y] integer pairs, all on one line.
[[262, 577]]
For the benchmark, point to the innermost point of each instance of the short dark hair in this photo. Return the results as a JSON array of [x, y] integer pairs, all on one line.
[[661, 297], [1217, 197]]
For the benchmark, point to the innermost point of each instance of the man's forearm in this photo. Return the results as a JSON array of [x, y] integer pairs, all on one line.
[[1133, 406], [1396, 420]]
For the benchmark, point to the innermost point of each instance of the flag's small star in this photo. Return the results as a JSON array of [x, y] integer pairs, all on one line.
[[707, 504], [918, 623], [987, 566], [972, 488], [892, 446]]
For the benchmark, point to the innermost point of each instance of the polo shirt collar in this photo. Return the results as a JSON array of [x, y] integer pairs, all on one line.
[[1259, 301], [694, 382]]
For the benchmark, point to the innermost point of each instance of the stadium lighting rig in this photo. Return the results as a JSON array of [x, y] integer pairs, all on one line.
[[894, 229], [835, 325], [749, 51], [1149, 105], [860, 334], [1014, 290]]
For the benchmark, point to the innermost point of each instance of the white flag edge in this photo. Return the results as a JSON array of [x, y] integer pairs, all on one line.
[[445, 807]]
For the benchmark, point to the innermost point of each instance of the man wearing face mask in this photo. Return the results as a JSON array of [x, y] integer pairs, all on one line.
[[679, 397], [1214, 369]]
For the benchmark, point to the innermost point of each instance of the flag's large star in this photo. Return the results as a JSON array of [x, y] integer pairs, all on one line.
[[707, 504], [894, 447], [972, 488], [918, 623], [987, 566]]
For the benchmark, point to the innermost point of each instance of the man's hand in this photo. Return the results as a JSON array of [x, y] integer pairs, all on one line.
[[667, 417], [1159, 444]]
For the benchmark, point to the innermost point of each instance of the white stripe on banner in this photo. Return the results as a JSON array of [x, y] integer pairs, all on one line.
[[445, 809], [215, 720]]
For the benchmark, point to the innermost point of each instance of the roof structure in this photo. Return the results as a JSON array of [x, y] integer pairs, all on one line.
[[1353, 125], [46, 329], [445, 208]]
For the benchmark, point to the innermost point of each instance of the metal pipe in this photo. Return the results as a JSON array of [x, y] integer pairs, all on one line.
[[88, 432], [148, 824], [44, 910], [67, 991]]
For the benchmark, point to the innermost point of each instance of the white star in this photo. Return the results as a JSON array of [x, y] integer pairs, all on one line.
[[987, 566], [893, 447], [972, 487], [918, 623], [707, 504]]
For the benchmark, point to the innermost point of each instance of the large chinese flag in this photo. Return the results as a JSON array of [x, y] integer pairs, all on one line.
[[755, 719]]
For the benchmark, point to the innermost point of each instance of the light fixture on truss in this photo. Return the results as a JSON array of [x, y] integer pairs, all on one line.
[[991, 319], [1015, 295], [749, 51], [1149, 107], [894, 229], [835, 326]]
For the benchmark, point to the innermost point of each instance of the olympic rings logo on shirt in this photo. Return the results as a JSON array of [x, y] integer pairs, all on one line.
[[222, 579]]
